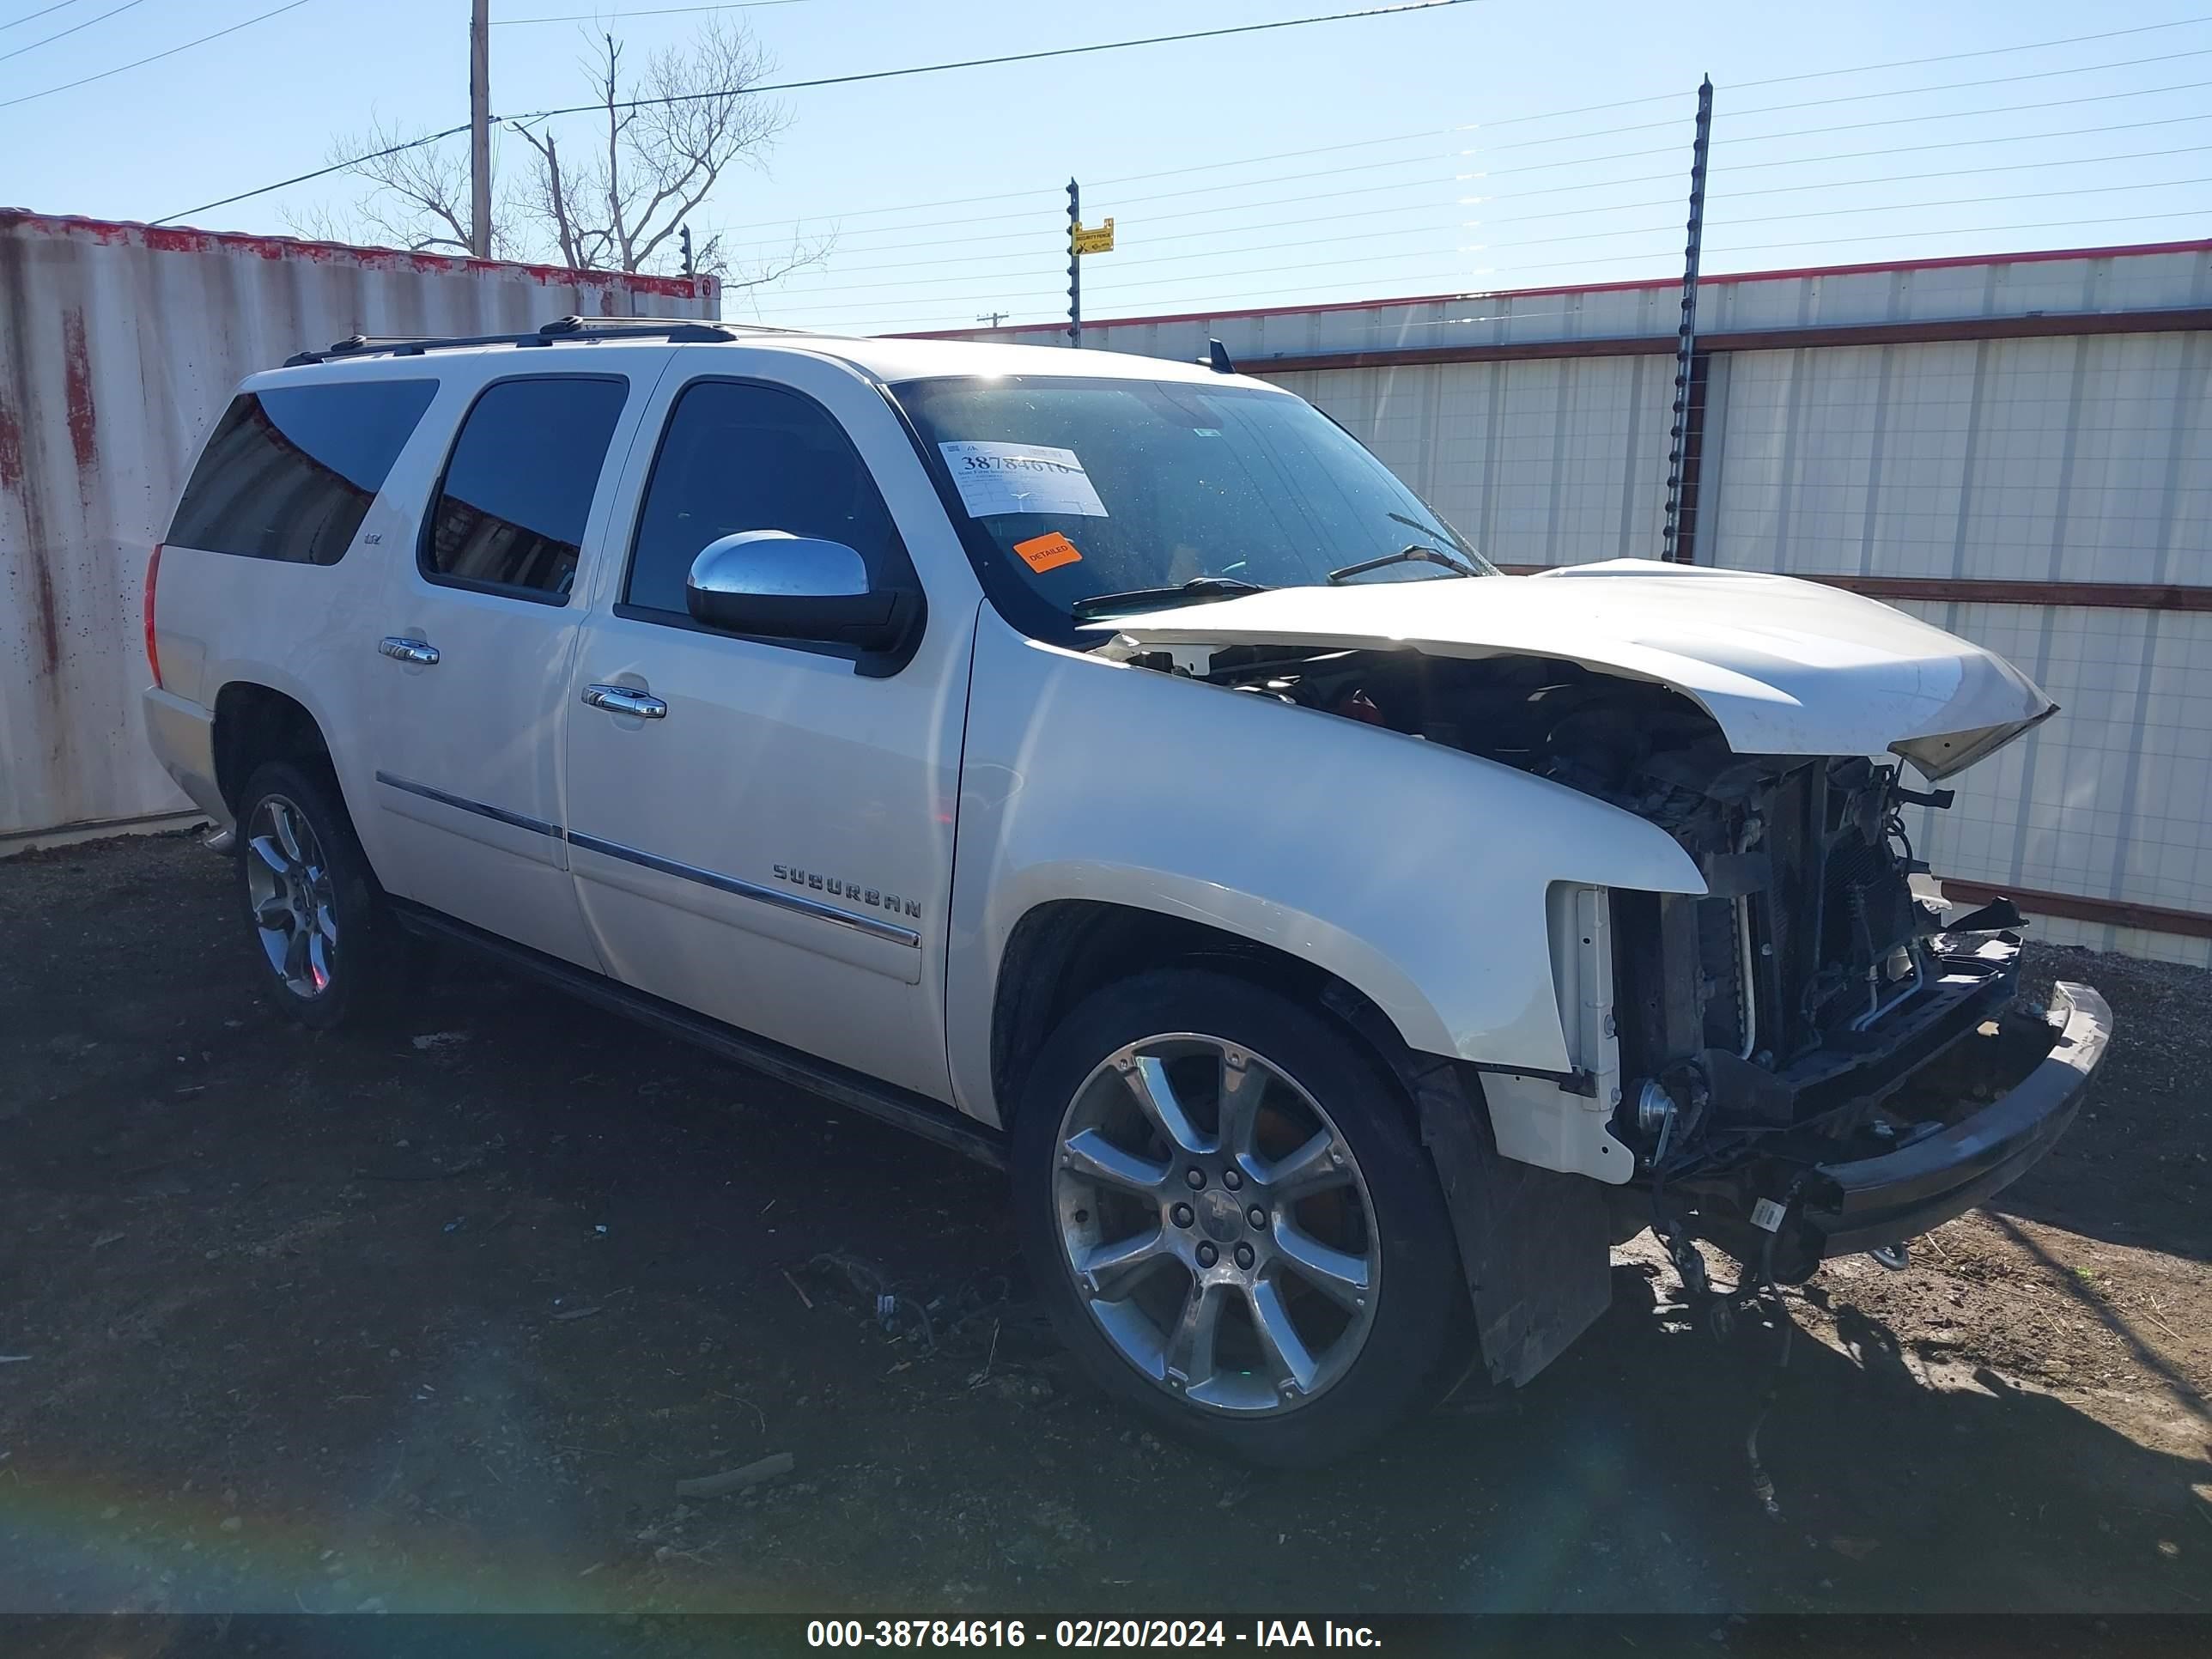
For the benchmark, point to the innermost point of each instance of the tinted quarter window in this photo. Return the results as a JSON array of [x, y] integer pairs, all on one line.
[[510, 512], [290, 472], [737, 458]]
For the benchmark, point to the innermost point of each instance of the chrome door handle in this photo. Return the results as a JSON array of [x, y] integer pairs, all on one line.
[[406, 650], [625, 700]]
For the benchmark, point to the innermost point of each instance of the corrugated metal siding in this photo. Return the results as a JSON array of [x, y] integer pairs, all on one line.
[[2082, 459], [2111, 798], [1556, 462], [118, 346], [2087, 460]]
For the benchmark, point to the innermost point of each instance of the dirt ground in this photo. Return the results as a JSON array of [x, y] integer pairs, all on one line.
[[436, 1319]]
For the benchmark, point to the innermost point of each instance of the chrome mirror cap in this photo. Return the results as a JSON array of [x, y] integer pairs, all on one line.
[[776, 564]]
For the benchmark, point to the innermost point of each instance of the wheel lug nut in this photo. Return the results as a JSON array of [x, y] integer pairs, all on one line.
[[1194, 1178], [1232, 1179], [1182, 1214], [1257, 1216], [1207, 1256], [1244, 1257]]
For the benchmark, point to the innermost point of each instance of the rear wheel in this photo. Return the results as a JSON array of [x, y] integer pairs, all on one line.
[[1234, 1226], [327, 943]]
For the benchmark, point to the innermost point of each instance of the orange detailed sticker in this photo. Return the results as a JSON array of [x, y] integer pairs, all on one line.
[[1047, 552]]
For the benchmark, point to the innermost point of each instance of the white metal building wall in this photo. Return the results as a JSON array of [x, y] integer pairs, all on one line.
[[119, 344], [1557, 461], [2087, 460]]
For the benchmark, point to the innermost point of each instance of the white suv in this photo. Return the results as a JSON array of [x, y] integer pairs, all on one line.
[[1106, 767]]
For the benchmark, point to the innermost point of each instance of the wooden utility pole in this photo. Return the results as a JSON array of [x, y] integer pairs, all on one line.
[[480, 128]]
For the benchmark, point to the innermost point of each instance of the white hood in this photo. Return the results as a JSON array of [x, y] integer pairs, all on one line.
[[1784, 666]]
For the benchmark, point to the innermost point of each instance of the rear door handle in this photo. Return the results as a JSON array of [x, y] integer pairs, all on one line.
[[626, 700], [406, 650]]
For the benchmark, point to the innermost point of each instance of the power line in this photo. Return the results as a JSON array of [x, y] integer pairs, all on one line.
[[1984, 51], [1879, 207], [1054, 236], [1108, 290], [1947, 86], [32, 17], [1962, 173], [1246, 252], [1861, 155], [1823, 184], [1956, 144], [1042, 236], [1222, 230], [155, 57], [1401, 7], [659, 12], [58, 34], [1515, 120], [1991, 81], [1199, 301], [1157, 218], [1963, 114]]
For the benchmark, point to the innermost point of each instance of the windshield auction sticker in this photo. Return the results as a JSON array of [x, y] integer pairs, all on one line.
[[1000, 478], [1047, 552]]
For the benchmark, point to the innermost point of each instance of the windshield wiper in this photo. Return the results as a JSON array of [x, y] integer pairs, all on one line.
[[1198, 587], [1417, 553], [1460, 543]]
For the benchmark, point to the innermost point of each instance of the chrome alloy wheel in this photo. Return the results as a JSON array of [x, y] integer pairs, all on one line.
[[1217, 1225], [287, 886]]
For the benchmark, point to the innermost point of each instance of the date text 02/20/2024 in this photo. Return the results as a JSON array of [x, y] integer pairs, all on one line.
[[1085, 1633]]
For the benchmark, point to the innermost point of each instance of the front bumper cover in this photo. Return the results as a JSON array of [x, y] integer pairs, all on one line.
[[1866, 1203], [1799, 1199]]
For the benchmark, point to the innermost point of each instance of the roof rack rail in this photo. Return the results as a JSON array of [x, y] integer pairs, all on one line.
[[616, 324], [565, 330]]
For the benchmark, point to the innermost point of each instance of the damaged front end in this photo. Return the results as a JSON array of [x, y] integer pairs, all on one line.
[[1809, 1058]]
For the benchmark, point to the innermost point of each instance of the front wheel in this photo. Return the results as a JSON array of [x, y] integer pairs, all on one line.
[[1235, 1227]]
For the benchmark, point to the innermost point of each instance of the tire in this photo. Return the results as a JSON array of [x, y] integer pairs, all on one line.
[[329, 949], [1352, 1252]]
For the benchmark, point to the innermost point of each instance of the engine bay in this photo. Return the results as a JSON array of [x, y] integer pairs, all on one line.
[[1809, 953]]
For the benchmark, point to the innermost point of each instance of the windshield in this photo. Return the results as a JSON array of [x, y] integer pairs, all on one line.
[[1091, 488]]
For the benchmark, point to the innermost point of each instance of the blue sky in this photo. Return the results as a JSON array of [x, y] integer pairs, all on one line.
[[1418, 153]]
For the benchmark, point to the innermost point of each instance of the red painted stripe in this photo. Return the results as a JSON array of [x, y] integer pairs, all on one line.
[[2078, 907], [179, 238]]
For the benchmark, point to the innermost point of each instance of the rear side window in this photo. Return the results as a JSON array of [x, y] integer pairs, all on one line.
[[509, 513], [738, 457], [291, 470]]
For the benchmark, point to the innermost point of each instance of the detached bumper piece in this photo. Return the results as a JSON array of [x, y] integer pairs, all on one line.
[[1873, 1201]]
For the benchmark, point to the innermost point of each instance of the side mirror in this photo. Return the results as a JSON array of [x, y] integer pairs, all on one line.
[[781, 586]]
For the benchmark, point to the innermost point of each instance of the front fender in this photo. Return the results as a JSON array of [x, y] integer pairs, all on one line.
[[1414, 872]]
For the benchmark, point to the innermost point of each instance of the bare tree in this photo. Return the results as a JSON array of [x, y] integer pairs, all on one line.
[[418, 197], [618, 200]]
